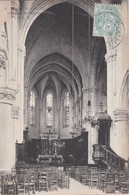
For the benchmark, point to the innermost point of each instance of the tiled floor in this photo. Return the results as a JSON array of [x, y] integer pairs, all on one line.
[[76, 188]]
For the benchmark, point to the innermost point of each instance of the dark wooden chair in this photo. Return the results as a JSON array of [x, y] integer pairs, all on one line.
[[123, 182], [43, 183], [52, 180], [32, 182], [8, 184], [9, 188], [63, 180], [20, 183], [93, 181], [110, 183], [102, 177], [77, 173], [85, 176]]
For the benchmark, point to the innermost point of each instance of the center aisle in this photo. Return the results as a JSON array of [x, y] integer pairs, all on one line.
[[76, 188]]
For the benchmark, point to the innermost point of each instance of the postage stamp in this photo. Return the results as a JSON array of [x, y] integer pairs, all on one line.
[[107, 20]]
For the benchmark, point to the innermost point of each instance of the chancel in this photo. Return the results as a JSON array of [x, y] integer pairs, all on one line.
[[64, 95]]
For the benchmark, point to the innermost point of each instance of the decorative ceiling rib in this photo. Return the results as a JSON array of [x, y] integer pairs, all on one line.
[[54, 55]]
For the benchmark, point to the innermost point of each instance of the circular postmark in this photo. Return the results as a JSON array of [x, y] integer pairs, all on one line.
[[107, 23], [114, 41]]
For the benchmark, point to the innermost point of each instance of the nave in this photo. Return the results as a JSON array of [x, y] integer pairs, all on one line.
[[76, 180], [76, 188]]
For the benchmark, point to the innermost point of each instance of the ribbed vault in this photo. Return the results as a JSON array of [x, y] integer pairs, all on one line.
[[52, 49]]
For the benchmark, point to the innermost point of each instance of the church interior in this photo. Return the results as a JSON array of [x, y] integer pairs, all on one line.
[[64, 99]]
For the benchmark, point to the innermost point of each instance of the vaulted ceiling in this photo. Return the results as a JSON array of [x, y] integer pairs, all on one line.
[[60, 49]]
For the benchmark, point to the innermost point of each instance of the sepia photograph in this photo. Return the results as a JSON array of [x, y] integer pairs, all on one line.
[[64, 97]]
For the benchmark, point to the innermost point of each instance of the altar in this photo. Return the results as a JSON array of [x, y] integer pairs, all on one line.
[[49, 159], [49, 149]]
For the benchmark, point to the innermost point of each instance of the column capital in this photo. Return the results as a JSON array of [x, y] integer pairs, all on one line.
[[121, 115], [3, 50], [7, 96], [111, 56], [14, 8], [3, 59], [15, 4], [90, 90]]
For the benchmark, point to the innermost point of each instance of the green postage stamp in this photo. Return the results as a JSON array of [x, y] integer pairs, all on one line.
[[107, 20]]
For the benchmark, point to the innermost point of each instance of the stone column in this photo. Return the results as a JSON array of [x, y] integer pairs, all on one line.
[[93, 94], [14, 39], [3, 57], [110, 58], [40, 121], [7, 97], [7, 138], [122, 133], [80, 112], [76, 113], [20, 96], [72, 119], [59, 118], [84, 109], [90, 94], [92, 139], [25, 105], [15, 118]]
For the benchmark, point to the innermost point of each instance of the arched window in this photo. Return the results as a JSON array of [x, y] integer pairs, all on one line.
[[32, 108], [49, 109], [66, 108]]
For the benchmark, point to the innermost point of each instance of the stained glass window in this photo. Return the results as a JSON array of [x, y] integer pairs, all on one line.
[[49, 109], [32, 108], [66, 108]]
